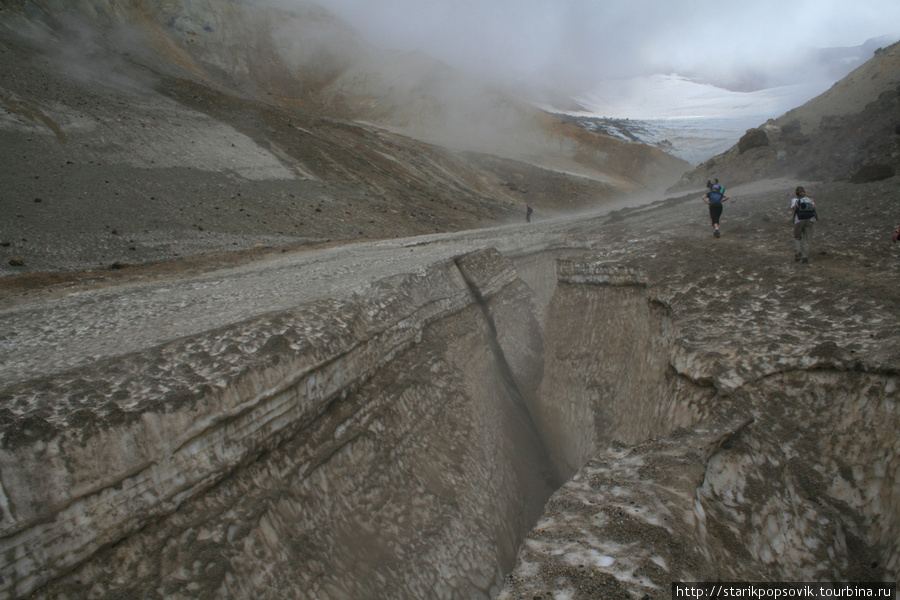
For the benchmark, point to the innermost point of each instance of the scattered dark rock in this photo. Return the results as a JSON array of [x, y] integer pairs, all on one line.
[[791, 129], [26, 430], [832, 122], [754, 138], [873, 172], [826, 350], [16, 261], [276, 349]]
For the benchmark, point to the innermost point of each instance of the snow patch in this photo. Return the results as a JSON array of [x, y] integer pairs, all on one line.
[[690, 120]]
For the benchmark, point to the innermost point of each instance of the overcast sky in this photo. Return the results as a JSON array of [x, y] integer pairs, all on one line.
[[584, 40]]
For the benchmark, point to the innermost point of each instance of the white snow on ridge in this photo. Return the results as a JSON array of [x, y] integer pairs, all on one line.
[[672, 97], [697, 120]]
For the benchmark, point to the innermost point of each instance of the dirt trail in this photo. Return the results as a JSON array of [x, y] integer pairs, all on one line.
[[96, 315]]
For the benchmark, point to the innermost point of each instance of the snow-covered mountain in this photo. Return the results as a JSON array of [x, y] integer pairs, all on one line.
[[674, 97], [695, 118], [847, 133], [691, 120]]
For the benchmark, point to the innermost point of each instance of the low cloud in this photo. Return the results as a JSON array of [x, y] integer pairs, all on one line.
[[575, 43]]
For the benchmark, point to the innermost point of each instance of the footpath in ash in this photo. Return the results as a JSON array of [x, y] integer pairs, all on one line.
[[853, 273]]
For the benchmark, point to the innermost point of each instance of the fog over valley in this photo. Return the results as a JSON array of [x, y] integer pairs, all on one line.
[[575, 44], [728, 66]]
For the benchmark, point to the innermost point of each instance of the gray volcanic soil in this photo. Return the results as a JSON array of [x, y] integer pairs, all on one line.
[[853, 257], [108, 164], [740, 302], [852, 240]]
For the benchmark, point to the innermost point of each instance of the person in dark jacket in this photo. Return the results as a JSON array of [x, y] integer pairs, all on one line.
[[714, 199]]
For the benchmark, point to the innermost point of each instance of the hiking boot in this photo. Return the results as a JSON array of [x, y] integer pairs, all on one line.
[[716, 232]]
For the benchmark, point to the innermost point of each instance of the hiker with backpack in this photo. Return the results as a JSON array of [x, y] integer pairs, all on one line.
[[714, 198], [711, 182], [804, 214]]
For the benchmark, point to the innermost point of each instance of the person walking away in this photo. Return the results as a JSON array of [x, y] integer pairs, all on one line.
[[714, 199], [804, 214], [528, 213], [711, 182]]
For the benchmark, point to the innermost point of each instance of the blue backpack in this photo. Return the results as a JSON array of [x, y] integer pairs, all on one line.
[[714, 197]]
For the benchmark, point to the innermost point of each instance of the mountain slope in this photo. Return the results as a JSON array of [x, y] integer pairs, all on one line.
[[848, 133], [303, 57], [282, 120]]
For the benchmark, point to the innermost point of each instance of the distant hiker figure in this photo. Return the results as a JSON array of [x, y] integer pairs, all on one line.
[[528, 214], [721, 187], [896, 235], [714, 198], [803, 211]]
